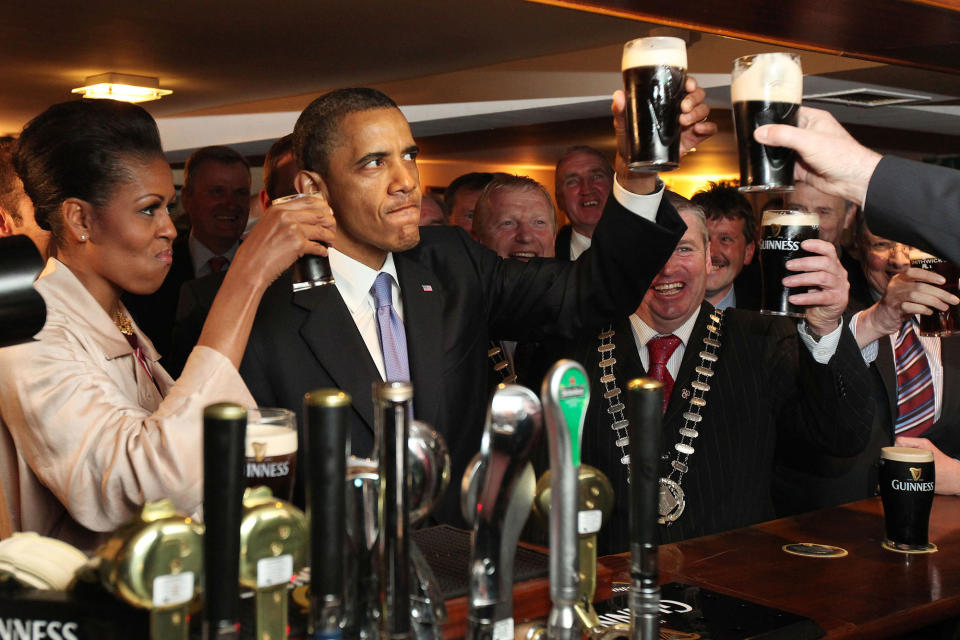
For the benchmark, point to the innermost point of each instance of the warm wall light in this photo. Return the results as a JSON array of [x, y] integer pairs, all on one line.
[[124, 87]]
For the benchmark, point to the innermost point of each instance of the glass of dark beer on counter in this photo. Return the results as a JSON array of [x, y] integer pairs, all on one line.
[[907, 482], [765, 89], [939, 323], [654, 72], [271, 450], [781, 232]]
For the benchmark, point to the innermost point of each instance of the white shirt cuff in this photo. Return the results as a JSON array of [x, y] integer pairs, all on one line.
[[644, 206], [872, 349], [823, 350]]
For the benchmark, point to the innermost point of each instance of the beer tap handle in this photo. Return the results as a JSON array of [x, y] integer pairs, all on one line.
[[504, 494], [596, 505], [645, 411], [565, 395], [392, 403], [326, 447], [224, 432]]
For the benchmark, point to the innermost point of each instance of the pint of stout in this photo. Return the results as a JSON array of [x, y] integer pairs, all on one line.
[[654, 72], [906, 488], [940, 323], [781, 233], [271, 450], [765, 89]]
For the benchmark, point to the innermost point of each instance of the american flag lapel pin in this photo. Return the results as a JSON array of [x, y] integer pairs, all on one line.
[[427, 287]]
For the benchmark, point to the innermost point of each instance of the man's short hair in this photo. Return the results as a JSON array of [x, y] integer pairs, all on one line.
[[200, 157], [278, 150], [722, 199], [10, 186], [682, 205], [475, 181], [317, 128], [507, 182]]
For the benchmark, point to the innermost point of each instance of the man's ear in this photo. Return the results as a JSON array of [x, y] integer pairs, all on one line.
[[6, 224], [310, 182], [76, 214], [748, 252]]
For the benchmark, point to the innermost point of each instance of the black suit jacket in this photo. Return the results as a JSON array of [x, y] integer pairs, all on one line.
[[766, 389], [917, 204], [457, 295], [562, 244], [155, 313]]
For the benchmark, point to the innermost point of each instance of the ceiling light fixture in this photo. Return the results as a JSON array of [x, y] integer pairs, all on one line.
[[123, 87]]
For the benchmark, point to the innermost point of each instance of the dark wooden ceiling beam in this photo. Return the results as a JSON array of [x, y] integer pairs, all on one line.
[[919, 33]]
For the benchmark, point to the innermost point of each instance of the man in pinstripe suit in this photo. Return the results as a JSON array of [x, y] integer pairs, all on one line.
[[771, 380]]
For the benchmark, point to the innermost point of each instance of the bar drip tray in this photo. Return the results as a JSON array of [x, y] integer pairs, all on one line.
[[447, 550], [693, 613]]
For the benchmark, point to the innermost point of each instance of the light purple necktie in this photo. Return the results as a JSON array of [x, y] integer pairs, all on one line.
[[393, 340]]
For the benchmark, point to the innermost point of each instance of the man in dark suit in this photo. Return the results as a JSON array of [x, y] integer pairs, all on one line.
[[734, 276], [216, 198], [767, 381], [584, 179], [450, 294]]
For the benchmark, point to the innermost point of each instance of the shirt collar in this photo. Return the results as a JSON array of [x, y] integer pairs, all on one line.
[[645, 332], [578, 243], [200, 255], [729, 300], [355, 279]]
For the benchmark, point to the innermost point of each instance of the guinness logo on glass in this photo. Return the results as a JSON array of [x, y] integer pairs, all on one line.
[[916, 472], [259, 450]]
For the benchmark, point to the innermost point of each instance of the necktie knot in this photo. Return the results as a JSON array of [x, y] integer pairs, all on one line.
[[662, 347], [382, 290], [217, 263]]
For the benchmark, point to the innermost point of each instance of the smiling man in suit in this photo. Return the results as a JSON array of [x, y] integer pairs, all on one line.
[[736, 383], [445, 295]]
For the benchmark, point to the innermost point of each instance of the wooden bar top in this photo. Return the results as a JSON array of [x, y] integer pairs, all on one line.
[[869, 593]]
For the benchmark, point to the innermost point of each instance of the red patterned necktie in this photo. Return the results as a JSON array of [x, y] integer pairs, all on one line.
[[915, 405], [217, 263], [660, 349]]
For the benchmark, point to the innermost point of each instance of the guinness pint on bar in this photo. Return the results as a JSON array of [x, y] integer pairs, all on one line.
[[654, 72], [781, 233], [765, 89], [907, 482]]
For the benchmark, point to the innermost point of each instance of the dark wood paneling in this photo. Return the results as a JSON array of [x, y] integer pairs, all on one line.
[[921, 34]]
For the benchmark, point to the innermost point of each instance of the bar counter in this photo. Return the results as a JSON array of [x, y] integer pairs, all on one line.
[[869, 593]]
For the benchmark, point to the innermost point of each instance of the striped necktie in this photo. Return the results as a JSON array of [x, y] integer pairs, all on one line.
[[393, 340], [915, 406]]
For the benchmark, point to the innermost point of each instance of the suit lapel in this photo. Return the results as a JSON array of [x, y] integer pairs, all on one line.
[[423, 322], [333, 337], [887, 368]]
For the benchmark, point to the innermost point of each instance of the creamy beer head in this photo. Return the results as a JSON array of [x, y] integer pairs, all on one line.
[[270, 440], [654, 52], [906, 454], [767, 77], [790, 218]]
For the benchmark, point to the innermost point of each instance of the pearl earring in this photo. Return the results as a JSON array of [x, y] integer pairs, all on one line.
[[83, 238]]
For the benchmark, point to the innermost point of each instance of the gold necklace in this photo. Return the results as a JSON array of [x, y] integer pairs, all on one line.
[[123, 322]]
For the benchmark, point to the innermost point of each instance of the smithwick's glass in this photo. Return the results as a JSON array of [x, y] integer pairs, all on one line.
[[308, 271], [907, 482], [781, 232], [765, 89], [271, 450], [654, 73], [940, 323]]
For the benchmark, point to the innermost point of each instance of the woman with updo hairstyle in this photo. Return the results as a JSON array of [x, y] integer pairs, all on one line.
[[91, 426]]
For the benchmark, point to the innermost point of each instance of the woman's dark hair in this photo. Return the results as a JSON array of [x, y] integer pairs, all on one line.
[[77, 150]]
